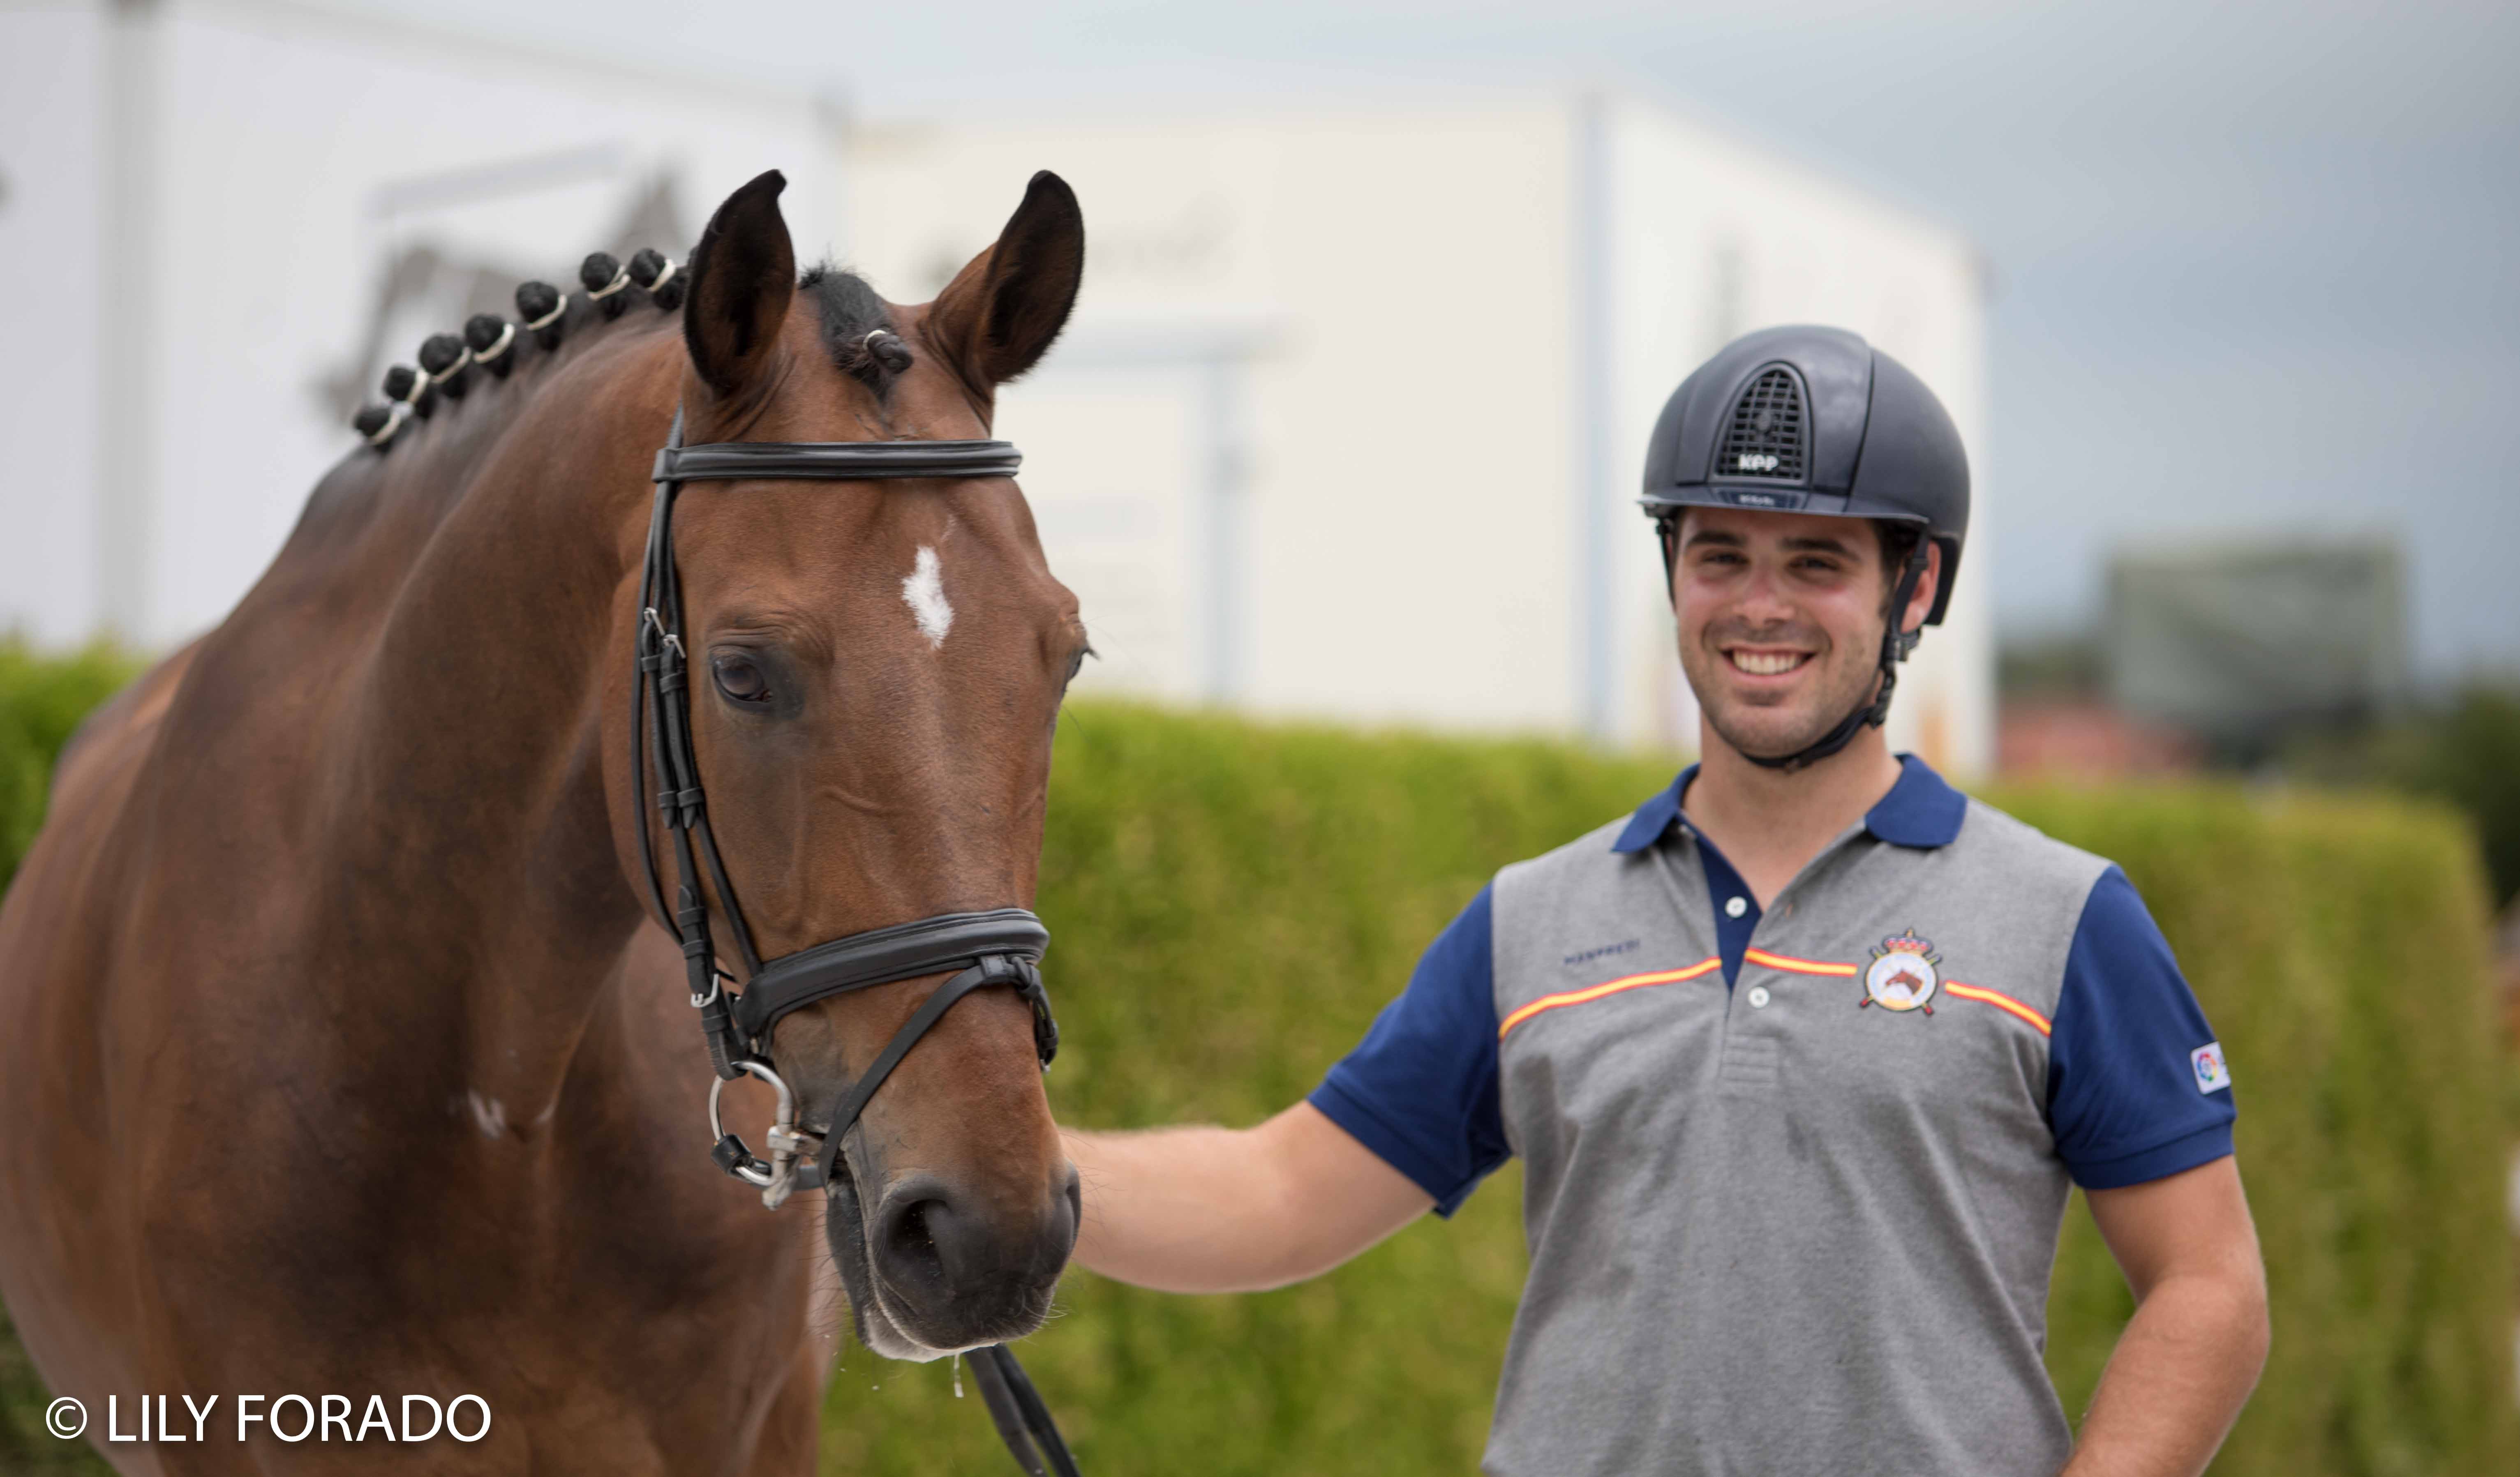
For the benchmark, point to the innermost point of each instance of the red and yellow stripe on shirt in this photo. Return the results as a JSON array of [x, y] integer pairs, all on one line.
[[1791, 966], [1765, 960], [2001, 1002], [1596, 992]]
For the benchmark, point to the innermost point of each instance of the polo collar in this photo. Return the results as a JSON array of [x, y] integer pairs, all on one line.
[[1921, 811]]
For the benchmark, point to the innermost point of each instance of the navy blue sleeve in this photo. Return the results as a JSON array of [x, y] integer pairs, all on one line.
[[2137, 1089], [1420, 1090]]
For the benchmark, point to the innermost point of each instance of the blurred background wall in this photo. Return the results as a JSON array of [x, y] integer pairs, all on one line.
[[1350, 420], [230, 216], [1348, 424]]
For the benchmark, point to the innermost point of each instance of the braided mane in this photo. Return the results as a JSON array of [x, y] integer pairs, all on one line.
[[450, 365], [856, 328]]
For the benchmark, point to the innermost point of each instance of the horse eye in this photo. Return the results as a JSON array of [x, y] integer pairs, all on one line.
[[740, 679]]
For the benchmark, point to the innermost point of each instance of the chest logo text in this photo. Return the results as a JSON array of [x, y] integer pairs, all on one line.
[[1603, 951], [1901, 976]]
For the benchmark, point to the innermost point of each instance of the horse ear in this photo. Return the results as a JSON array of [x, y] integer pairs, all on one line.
[[742, 274], [999, 313]]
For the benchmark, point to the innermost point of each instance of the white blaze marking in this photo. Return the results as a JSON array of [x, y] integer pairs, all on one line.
[[488, 1115], [924, 593]]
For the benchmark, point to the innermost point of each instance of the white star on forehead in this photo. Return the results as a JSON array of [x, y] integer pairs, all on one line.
[[923, 591]]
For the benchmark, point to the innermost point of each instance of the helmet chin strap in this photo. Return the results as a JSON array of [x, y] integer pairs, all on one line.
[[1896, 644]]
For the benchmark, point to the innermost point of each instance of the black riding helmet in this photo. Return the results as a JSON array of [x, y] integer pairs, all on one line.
[[1814, 420]]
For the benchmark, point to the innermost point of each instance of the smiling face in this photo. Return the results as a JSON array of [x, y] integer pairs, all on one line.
[[1781, 621]]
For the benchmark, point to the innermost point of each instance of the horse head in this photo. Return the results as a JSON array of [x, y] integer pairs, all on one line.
[[875, 671]]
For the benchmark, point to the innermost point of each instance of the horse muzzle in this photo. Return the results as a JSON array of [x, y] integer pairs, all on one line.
[[934, 1267]]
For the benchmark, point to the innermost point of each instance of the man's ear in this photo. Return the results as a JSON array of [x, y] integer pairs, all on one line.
[[1921, 604], [999, 313], [744, 272]]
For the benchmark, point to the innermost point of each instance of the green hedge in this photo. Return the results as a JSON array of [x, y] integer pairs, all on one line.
[[1233, 902], [42, 700]]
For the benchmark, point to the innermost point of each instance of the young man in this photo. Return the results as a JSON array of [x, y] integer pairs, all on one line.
[[1801, 1057]]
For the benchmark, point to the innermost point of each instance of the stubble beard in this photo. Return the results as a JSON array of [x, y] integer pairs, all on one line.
[[1772, 731]]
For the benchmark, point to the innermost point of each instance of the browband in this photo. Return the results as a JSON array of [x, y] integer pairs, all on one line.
[[947, 941], [834, 461]]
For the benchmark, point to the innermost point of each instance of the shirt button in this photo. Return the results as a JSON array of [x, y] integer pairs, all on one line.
[[1758, 997], [1736, 907]]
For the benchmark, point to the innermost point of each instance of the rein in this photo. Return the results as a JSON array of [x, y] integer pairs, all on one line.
[[1003, 946]]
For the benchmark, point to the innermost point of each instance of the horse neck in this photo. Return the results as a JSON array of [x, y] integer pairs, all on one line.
[[472, 804]]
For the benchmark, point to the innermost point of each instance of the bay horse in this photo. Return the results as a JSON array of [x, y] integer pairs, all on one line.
[[340, 1050]]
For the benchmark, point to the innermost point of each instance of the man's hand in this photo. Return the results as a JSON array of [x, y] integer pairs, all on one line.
[[1235, 1210], [2189, 1358]]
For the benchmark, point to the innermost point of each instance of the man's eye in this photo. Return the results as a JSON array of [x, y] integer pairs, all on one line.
[[740, 679]]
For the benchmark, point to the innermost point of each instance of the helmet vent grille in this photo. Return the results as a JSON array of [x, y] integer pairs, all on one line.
[[1766, 437]]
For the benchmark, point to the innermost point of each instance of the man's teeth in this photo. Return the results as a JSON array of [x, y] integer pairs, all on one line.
[[1767, 663]]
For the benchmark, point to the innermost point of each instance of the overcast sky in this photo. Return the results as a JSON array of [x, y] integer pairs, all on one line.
[[2254, 262]]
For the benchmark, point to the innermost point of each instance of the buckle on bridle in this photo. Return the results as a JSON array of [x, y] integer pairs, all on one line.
[[779, 1174], [654, 639]]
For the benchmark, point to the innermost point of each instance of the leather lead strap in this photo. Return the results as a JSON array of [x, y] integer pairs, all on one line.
[[1021, 1415]]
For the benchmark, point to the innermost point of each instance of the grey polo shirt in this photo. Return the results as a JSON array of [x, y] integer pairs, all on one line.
[[1793, 1175]]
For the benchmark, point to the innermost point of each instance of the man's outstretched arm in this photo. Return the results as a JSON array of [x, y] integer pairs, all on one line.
[[1235, 1210], [2190, 1356]]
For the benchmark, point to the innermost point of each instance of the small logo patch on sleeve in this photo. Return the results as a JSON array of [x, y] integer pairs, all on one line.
[[2213, 1073]]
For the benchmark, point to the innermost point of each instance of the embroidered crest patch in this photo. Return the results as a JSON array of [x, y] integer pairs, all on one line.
[[2213, 1073], [1901, 976]]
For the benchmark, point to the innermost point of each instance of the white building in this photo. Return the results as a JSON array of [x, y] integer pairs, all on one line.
[[1348, 424], [222, 219], [1351, 415]]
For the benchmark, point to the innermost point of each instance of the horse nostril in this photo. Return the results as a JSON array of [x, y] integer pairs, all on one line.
[[959, 1272], [906, 1245]]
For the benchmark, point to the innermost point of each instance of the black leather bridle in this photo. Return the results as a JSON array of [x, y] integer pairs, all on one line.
[[1003, 946]]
